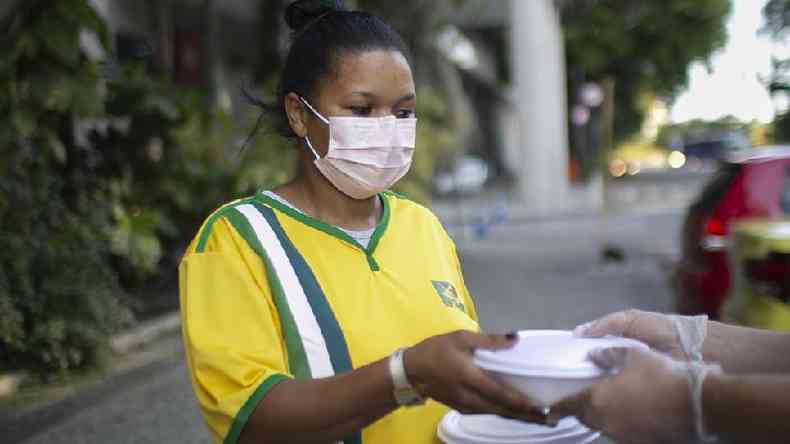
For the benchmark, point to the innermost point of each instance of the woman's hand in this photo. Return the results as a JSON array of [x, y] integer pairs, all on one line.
[[441, 368], [654, 329], [647, 402]]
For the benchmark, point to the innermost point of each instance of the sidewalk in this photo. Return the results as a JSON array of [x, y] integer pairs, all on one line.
[[475, 218], [649, 193], [137, 354]]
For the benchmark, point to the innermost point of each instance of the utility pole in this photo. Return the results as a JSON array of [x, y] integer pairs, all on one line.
[[538, 58]]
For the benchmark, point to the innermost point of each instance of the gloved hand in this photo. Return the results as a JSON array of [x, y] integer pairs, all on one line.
[[680, 337], [653, 399]]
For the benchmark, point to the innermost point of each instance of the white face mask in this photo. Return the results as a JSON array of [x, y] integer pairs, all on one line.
[[366, 155]]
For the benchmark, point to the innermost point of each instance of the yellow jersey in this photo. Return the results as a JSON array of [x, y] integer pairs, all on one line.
[[268, 293]]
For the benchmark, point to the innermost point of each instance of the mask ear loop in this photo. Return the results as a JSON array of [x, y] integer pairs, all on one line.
[[310, 145], [322, 118], [317, 114]]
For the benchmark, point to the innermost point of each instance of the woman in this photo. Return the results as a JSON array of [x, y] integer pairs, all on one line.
[[313, 312]]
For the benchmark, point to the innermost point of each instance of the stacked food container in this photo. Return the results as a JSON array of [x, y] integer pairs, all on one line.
[[547, 366], [456, 428]]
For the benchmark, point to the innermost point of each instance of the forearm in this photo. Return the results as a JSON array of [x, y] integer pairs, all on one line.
[[747, 408], [322, 410], [747, 350]]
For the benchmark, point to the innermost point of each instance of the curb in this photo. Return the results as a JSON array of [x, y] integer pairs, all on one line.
[[145, 333], [120, 344]]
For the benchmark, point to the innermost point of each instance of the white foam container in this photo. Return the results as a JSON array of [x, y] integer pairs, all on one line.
[[549, 365], [456, 428]]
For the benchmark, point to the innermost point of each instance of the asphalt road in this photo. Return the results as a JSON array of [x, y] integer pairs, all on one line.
[[553, 274], [541, 274]]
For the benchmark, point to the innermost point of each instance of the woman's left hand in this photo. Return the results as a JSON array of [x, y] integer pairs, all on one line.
[[647, 402]]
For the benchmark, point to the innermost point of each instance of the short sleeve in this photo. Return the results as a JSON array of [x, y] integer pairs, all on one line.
[[230, 329]]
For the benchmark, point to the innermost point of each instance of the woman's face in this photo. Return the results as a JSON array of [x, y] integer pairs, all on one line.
[[365, 84]]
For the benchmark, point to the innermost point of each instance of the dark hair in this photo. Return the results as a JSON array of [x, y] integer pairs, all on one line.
[[322, 31]]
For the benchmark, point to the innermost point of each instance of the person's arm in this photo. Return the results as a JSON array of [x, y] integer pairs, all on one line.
[[646, 401], [329, 410], [651, 401], [736, 349], [748, 408], [322, 410], [747, 350]]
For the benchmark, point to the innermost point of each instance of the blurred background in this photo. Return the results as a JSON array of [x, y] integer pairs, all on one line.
[[622, 144]]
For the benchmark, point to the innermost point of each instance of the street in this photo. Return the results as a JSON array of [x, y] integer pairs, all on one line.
[[552, 274], [540, 274]]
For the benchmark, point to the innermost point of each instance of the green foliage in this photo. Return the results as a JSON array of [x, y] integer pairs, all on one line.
[[59, 298], [777, 18], [777, 24], [646, 47]]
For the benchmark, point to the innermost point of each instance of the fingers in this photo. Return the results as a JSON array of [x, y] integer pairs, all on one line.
[[610, 358], [489, 342], [574, 405], [613, 324], [471, 401]]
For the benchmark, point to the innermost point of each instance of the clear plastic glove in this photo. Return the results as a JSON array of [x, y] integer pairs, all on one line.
[[647, 402], [680, 337]]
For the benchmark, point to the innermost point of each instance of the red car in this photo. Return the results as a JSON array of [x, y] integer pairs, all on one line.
[[753, 184]]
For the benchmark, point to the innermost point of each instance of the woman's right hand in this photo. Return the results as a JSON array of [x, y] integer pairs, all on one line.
[[654, 329], [442, 368]]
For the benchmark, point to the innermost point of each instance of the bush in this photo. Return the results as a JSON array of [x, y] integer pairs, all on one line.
[[59, 298]]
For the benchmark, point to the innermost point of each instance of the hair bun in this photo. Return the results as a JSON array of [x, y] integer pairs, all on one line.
[[303, 13]]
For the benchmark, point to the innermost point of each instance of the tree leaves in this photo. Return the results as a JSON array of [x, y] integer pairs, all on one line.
[[644, 46], [58, 292], [777, 18]]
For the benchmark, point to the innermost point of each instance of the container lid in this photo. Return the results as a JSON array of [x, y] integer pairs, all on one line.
[[492, 426], [550, 353], [456, 428]]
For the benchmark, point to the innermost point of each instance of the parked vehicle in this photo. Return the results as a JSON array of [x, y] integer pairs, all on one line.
[[760, 257], [748, 185], [469, 175]]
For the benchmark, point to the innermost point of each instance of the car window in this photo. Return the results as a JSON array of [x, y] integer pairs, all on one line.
[[715, 190]]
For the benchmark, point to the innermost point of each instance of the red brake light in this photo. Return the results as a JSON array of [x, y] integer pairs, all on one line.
[[715, 227]]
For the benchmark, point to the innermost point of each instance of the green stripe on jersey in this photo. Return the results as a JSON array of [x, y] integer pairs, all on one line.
[[381, 228], [297, 359], [330, 328], [249, 406], [205, 232]]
